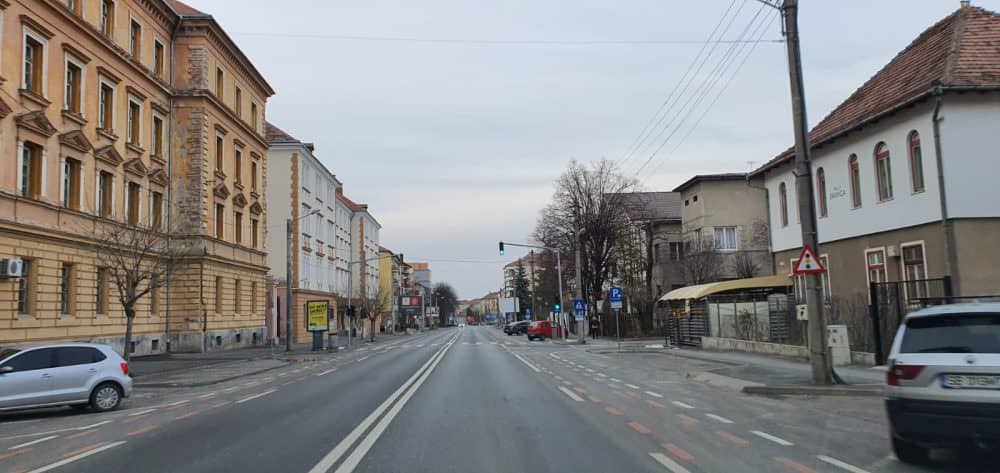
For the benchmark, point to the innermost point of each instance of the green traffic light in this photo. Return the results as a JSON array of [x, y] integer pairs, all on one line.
[[501, 248]]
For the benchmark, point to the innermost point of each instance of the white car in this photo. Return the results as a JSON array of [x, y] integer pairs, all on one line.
[[943, 383]]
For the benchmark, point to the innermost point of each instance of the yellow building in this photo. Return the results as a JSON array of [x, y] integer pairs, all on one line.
[[391, 281], [138, 113]]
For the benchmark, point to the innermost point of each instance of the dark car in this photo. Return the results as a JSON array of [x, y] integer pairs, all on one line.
[[517, 328]]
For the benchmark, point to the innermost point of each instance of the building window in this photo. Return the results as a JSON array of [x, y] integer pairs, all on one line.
[[253, 116], [156, 210], [75, 6], [218, 152], [218, 294], [74, 83], [25, 289], [107, 18], [106, 112], [65, 288], [238, 289], [102, 290], [883, 171], [134, 121], [154, 295], [71, 183], [676, 251], [254, 223], [34, 61], [135, 39], [914, 271], [821, 191], [238, 102], [238, 165], [158, 58], [220, 79], [220, 221], [238, 224], [916, 162], [31, 170], [132, 203], [854, 171], [253, 175], [725, 238], [157, 136], [876, 265], [783, 202], [105, 193]]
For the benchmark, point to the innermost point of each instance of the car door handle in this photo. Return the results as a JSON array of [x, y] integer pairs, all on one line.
[[92, 370], [46, 375]]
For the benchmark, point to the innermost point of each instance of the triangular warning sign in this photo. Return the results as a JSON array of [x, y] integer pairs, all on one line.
[[808, 262]]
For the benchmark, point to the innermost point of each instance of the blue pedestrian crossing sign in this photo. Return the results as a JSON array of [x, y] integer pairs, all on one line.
[[579, 308], [615, 294], [527, 313]]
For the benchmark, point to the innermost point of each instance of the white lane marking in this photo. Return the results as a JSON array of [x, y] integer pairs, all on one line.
[[172, 404], [352, 461], [338, 451], [255, 396], [74, 458], [681, 404], [632, 386], [420, 346], [553, 355], [326, 372], [527, 363], [282, 374], [363, 358], [147, 411], [43, 439], [840, 464], [91, 426], [477, 343], [719, 418], [435, 344], [465, 343], [58, 431], [777, 440], [206, 396], [651, 393], [269, 378], [572, 395], [616, 380], [602, 375], [668, 463], [493, 343], [590, 370]]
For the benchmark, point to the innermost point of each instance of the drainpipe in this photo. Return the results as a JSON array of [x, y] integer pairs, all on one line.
[[170, 178], [950, 253], [767, 208]]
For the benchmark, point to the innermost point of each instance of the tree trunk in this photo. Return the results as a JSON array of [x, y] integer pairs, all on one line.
[[373, 331], [129, 319]]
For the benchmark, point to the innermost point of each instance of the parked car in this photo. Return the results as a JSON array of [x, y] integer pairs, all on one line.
[[542, 329], [77, 374], [943, 383], [517, 328]]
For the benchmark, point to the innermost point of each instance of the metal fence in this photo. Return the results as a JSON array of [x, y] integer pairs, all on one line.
[[890, 301]]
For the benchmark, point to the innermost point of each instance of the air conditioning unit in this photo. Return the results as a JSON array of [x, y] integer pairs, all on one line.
[[892, 251], [11, 268]]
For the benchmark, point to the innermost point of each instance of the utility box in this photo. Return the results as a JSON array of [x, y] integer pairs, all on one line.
[[839, 345]]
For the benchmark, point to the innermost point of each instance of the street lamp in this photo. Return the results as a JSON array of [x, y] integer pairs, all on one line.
[[288, 278], [558, 270]]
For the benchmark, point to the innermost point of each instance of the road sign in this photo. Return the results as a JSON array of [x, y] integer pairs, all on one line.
[[317, 316], [615, 295], [579, 309], [527, 313], [808, 262]]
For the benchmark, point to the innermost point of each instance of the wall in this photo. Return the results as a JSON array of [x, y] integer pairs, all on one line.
[[968, 141], [279, 201]]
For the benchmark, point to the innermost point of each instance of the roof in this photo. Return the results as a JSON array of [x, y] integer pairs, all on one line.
[[730, 176], [274, 134], [184, 9], [351, 204], [525, 260], [420, 266], [959, 52], [703, 290], [652, 205], [989, 304]]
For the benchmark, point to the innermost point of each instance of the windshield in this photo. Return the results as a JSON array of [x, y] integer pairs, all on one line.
[[979, 333]]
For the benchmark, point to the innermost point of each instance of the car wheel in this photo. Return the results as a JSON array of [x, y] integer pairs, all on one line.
[[105, 397], [909, 452]]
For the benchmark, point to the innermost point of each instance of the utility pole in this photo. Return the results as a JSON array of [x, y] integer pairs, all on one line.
[[804, 193], [288, 285]]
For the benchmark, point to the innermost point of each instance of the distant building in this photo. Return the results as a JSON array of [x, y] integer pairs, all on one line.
[[532, 264], [653, 244], [392, 284]]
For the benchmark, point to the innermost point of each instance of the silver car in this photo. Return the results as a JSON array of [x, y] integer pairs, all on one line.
[[73, 374], [943, 384]]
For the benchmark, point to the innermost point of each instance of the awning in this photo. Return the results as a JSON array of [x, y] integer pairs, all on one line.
[[702, 290]]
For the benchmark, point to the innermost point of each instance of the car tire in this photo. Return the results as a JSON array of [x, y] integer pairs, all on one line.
[[106, 397], [909, 452]]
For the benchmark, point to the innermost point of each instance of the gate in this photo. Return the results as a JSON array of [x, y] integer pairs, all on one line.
[[890, 301], [688, 326]]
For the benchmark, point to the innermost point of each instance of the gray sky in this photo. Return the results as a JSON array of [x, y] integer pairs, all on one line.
[[455, 145]]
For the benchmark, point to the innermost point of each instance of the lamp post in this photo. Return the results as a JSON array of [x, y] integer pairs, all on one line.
[[289, 305]]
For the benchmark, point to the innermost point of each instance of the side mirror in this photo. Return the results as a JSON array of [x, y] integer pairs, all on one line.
[[7, 369]]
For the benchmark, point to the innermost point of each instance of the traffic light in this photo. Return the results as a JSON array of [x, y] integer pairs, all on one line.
[[501, 248], [558, 308]]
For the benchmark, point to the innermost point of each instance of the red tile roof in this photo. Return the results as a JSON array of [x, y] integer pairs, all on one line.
[[351, 204], [962, 50], [184, 9], [275, 134]]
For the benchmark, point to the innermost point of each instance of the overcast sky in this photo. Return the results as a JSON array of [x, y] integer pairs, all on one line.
[[454, 145]]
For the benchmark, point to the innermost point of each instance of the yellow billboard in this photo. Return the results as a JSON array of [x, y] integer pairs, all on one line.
[[316, 316]]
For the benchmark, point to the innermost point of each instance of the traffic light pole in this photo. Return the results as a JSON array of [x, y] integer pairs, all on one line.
[[559, 275]]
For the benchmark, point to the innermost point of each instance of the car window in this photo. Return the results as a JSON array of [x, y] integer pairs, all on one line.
[[952, 334], [70, 356], [7, 352], [39, 359]]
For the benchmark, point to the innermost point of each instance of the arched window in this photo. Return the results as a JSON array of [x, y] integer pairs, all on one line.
[[854, 171], [821, 191], [916, 162], [783, 200], [883, 172]]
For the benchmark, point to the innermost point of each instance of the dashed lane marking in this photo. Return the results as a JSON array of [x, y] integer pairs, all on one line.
[[420, 346], [678, 452], [840, 464], [632, 386], [728, 437], [363, 358], [33, 442], [681, 404], [616, 380], [793, 465], [91, 426], [206, 396], [172, 404], [331, 370], [219, 404], [88, 451], [141, 413], [613, 411], [651, 393], [189, 414], [602, 375], [572, 395], [669, 464], [777, 440], [719, 418], [80, 434], [642, 429], [255, 396], [527, 363], [141, 431]]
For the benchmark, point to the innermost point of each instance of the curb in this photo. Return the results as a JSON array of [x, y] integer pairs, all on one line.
[[859, 391], [723, 382], [206, 383]]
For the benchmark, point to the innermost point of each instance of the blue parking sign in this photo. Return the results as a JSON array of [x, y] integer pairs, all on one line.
[[615, 294]]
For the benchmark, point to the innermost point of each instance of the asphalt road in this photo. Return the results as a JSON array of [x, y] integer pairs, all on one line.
[[460, 400]]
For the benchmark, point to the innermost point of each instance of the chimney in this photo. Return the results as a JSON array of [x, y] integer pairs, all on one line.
[[964, 3]]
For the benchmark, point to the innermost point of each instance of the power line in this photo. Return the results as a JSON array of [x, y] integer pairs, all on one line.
[[496, 42]]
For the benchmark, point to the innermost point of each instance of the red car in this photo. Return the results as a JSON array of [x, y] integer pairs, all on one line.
[[542, 329]]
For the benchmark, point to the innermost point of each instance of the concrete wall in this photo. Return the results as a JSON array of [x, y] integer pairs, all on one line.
[[764, 348], [968, 141]]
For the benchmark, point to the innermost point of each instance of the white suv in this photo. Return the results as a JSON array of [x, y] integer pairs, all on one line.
[[944, 380]]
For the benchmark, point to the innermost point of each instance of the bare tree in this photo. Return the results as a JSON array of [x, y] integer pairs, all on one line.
[[744, 265], [701, 262], [137, 261], [373, 305]]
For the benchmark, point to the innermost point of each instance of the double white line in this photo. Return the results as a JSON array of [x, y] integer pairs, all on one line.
[[402, 395]]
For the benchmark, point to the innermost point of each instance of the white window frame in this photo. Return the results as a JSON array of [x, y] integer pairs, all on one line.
[[902, 264], [885, 269], [736, 238], [163, 139], [142, 28], [128, 116], [27, 32], [71, 59], [102, 81]]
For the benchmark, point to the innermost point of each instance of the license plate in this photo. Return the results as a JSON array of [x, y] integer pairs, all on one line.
[[971, 381]]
